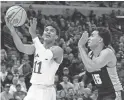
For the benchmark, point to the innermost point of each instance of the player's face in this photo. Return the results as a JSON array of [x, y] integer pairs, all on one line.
[[49, 34], [94, 39]]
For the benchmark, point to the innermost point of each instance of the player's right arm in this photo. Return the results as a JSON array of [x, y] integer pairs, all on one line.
[[25, 48], [35, 39]]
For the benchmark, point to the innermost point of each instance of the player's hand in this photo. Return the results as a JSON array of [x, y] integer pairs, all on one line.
[[8, 24], [33, 24], [83, 40]]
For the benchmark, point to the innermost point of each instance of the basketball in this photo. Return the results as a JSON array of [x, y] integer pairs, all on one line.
[[17, 15]]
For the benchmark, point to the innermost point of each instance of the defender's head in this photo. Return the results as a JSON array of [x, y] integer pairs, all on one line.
[[98, 37]]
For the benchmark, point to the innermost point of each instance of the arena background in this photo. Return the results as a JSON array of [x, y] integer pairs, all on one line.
[[72, 18]]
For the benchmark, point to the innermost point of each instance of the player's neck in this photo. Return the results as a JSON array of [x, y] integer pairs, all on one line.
[[97, 50], [48, 45]]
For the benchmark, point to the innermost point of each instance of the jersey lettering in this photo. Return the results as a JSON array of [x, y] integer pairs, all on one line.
[[37, 67], [97, 79]]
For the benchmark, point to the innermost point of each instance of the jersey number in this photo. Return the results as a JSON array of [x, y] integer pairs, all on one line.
[[97, 79], [37, 67]]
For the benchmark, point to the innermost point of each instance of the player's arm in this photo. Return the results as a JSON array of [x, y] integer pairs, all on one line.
[[32, 31], [98, 62], [32, 28], [57, 54], [25, 48]]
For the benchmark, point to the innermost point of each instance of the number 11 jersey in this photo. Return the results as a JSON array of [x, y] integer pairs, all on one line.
[[44, 67]]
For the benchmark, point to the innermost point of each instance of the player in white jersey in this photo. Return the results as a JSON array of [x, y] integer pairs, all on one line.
[[47, 58]]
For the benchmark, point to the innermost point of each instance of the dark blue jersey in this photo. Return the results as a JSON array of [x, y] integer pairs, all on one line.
[[105, 79]]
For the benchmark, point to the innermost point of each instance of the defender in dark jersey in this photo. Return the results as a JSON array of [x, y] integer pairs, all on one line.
[[100, 64]]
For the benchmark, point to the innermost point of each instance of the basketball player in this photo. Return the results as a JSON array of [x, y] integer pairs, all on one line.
[[47, 58], [100, 64]]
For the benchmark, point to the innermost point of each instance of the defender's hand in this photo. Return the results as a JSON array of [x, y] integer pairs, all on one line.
[[83, 40]]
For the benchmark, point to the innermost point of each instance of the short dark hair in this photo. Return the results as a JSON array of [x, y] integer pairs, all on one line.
[[105, 34], [54, 26]]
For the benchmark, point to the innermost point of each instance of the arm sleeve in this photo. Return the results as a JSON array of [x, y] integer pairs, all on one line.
[[87, 79], [38, 44]]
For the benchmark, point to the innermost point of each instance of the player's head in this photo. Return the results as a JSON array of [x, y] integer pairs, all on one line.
[[100, 36], [51, 32]]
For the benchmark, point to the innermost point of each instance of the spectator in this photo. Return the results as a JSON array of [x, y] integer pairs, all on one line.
[[65, 72], [25, 40], [68, 50], [76, 83], [61, 95], [119, 13], [16, 73], [67, 14], [81, 90], [9, 68], [61, 42], [77, 15], [31, 12], [21, 81], [58, 87], [66, 84], [90, 86], [94, 95], [3, 55], [14, 67], [118, 57], [19, 95], [13, 86], [25, 67], [39, 15], [118, 65], [13, 60], [121, 46], [102, 4], [71, 94], [5, 95], [91, 15], [3, 72], [113, 14], [122, 39], [122, 63], [8, 79], [87, 93]]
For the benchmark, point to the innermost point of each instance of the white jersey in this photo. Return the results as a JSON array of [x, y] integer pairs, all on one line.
[[45, 67]]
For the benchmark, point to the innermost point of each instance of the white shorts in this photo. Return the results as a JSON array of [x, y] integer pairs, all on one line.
[[38, 92]]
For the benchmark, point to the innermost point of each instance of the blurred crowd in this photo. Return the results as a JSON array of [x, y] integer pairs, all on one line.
[[16, 67], [115, 4]]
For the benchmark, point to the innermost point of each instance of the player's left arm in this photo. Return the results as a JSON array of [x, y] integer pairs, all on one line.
[[104, 58], [57, 54]]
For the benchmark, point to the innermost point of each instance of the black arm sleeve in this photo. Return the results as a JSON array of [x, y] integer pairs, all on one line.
[[87, 79]]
